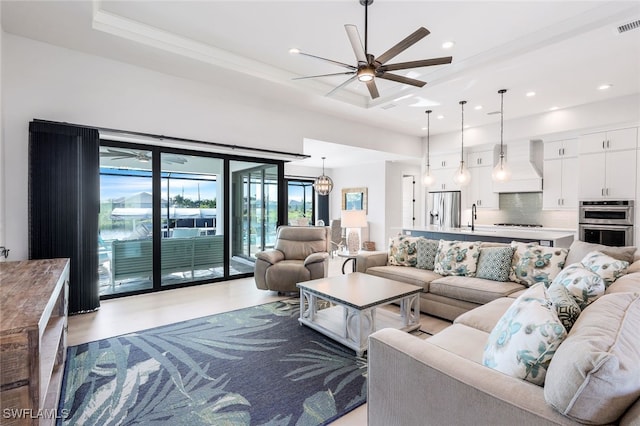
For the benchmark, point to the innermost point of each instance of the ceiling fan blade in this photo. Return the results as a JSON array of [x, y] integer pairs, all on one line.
[[335, 89], [324, 75], [416, 64], [114, 152], [356, 43], [341, 64], [401, 79], [413, 38], [373, 89]]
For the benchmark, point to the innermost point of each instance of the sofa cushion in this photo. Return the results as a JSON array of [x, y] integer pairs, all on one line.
[[494, 263], [403, 250], [485, 317], [607, 267], [629, 283], [579, 249], [461, 340], [525, 338], [566, 306], [427, 250], [475, 290], [584, 285], [533, 263], [595, 375], [457, 258], [415, 276]]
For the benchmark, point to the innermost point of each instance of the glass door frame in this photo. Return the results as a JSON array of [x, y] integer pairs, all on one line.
[[157, 212]]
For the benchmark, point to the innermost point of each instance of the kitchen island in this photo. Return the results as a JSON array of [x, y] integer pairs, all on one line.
[[494, 234]]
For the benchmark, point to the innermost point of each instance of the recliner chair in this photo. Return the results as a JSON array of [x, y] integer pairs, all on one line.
[[299, 254]]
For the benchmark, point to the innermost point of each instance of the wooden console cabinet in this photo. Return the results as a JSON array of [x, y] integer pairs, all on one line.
[[33, 339]]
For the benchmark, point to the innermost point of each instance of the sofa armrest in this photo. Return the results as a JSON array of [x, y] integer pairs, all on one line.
[[270, 256], [316, 257], [370, 259], [421, 383]]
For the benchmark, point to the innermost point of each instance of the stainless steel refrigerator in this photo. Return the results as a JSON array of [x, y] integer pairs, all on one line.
[[444, 208]]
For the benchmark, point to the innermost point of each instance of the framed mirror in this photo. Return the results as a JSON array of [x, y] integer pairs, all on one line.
[[354, 199]]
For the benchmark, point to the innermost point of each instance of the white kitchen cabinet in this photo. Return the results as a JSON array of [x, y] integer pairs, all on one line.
[[561, 149], [480, 189], [613, 140], [449, 160], [560, 185], [608, 175], [443, 166]]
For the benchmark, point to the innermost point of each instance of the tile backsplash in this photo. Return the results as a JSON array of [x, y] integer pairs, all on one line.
[[526, 207]]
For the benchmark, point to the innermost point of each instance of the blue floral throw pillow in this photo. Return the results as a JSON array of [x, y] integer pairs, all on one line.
[[526, 337], [608, 268], [457, 258], [427, 250], [495, 263], [403, 251], [532, 264], [584, 285]]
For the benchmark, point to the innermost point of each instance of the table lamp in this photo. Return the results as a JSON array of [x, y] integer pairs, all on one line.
[[353, 220]]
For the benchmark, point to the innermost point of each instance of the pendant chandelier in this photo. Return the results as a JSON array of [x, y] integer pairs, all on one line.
[[323, 183], [427, 178], [501, 172], [462, 177]]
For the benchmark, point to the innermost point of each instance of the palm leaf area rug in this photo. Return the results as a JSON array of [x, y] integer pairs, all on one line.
[[253, 366]]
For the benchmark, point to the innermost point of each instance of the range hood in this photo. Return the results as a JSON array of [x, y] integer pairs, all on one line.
[[524, 160]]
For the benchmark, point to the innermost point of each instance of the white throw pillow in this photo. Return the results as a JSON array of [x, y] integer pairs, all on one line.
[[457, 258], [608, 268], [526, 337], [584, 285]]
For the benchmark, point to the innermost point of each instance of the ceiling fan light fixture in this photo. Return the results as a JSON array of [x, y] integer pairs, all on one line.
[[366, 74]]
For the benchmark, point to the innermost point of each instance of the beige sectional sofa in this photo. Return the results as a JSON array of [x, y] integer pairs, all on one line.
[[593, 378], [443, 296]]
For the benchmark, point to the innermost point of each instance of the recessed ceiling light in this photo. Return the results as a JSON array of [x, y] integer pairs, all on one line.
[[440, 117], [448, 44], [553, 108], [530, 94], [477, 107], [466, 126], [424, 128], [604, 86], [294, 51]]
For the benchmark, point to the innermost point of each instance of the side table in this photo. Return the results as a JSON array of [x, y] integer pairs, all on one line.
[[348, 257]]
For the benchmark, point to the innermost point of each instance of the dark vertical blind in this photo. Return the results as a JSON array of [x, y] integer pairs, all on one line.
[[64, 202]]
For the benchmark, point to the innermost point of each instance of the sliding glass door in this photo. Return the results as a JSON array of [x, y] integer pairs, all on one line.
[[165, 220], [255, 192], [192, 219]]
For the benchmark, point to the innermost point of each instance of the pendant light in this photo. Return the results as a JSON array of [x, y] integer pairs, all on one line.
[[462, 177], [501, 172], [323, 183], [427, 178]]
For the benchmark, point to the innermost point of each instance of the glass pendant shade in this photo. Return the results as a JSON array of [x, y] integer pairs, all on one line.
[[323, 183], [462, 177], [428, 179], [501, 172]]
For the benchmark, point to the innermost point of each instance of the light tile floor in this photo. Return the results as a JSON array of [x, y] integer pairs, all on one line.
[[128, 314]]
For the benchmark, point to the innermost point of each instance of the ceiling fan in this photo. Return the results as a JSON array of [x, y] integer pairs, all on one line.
[[142, 156], [369, 67]]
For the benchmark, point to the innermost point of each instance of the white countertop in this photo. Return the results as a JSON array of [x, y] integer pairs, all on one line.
[[502, 232]]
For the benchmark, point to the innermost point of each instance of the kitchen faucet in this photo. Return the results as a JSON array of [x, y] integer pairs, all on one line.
[[474, 216]]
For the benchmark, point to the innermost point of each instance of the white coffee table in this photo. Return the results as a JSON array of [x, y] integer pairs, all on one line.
[[355, 315]]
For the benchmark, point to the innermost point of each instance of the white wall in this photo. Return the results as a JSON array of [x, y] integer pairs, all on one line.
[[2, 161], [47, 82], [393, 191]]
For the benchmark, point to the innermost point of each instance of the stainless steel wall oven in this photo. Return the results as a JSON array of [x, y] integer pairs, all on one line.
[[607, 222]]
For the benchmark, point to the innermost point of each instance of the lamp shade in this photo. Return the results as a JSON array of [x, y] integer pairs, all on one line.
[[353, 219]]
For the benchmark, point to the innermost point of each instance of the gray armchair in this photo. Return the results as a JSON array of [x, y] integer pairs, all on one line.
[[300, 254]]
